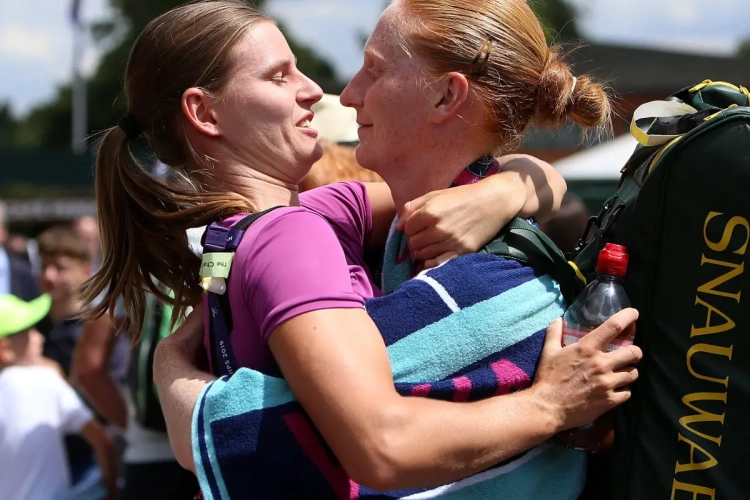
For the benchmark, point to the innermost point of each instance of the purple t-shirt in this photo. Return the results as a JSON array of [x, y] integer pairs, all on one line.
[[295, 260]]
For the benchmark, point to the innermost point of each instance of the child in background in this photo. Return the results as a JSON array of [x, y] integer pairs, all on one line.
[[65, 266], [37, 407]]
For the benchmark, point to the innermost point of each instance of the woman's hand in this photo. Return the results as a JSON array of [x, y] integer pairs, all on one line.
[[444, 224], [188, 338], [582, 381]]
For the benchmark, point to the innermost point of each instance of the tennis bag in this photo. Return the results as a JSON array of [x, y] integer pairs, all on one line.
[[156, 326], [682, 210]]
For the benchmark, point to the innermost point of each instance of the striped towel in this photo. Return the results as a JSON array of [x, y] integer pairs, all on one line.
[[469, 329], [397, 263]]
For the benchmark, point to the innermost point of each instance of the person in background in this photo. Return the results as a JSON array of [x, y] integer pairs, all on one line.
[[21, 247], [65, 266], [87, 228], [38, 408], [151, 470], [15, 274], [338, 164], [17, 245], [567, 226]]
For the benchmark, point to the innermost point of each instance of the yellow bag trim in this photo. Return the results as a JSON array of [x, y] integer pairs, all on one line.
[[578, 272], [719, 112], [657, 109], [709, 83], [661, 153]]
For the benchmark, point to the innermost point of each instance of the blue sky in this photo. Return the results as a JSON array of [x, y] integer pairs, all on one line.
[[36, 39]]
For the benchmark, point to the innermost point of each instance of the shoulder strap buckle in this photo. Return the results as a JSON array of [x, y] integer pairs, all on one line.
[[217, 238]]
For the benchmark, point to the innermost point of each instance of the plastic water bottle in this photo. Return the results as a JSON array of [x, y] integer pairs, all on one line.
[[599, 301]]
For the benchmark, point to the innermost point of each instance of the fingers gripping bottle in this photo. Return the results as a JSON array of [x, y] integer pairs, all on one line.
[[600, 300]]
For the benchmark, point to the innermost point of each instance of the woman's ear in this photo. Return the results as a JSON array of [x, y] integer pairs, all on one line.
[[449, 93], [198, 109]]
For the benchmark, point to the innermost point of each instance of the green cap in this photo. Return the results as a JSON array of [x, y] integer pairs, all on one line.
[[17, 315]]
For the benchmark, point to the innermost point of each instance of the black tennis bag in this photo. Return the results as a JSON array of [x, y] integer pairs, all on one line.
[[156, 326], [682, 210]]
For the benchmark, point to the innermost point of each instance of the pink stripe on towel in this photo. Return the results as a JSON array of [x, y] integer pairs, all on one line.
[[462, 386], [422, 390], [345, 488], [510, 378]]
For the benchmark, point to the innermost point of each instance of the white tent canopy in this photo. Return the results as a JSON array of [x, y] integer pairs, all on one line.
[[333, 121], [599, 163]]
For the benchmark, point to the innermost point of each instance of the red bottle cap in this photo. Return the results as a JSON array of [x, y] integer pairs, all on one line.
[[613, 260]]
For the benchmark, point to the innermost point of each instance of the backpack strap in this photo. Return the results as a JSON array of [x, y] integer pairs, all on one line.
[[219, 239], [523, 242]]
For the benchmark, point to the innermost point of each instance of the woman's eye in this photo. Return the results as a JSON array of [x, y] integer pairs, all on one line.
[[374, 71]]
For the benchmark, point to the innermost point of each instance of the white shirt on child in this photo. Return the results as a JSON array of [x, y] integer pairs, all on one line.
[[37, 408]]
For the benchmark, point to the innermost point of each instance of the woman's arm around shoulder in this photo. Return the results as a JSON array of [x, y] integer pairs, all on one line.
[[337, 366]]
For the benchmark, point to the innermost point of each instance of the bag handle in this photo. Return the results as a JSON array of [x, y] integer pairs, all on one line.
[[655, 110], [523, 242], [709, 83]]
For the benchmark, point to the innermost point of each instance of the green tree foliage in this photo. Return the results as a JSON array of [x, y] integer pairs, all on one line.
[[7, 126], [558, 18]]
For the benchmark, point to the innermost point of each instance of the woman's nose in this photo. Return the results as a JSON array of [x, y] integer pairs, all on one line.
[[351, 97], [311, 92]]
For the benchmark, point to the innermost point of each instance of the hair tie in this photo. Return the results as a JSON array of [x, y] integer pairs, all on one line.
[[573, 87], [128, 125]]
